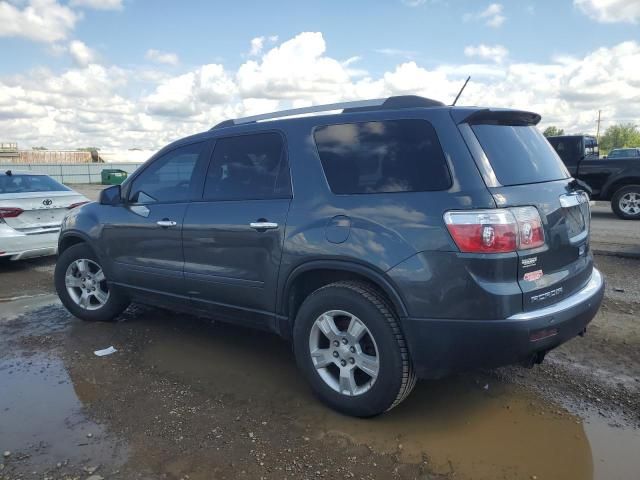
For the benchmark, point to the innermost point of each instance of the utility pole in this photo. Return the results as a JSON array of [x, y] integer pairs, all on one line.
[[598, 130]]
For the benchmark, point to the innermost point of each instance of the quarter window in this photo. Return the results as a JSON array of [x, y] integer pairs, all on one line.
[[248, 167], [378, 157], [168, 178]]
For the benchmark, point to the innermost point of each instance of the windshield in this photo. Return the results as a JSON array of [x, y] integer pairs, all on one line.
[[519, 154], [29, 183], [623, 152]]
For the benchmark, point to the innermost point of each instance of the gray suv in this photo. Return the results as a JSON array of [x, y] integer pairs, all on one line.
[[395, 240]]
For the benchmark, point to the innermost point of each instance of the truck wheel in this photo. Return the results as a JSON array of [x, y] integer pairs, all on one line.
[[349, 345], [625, 202], [83, 288]]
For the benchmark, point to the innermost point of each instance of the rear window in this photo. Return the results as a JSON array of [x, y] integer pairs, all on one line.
[[29, 183], [519, 154], [382, 157]]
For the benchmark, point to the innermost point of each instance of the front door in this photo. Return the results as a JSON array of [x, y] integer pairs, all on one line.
[[142, 238], [233, 236]]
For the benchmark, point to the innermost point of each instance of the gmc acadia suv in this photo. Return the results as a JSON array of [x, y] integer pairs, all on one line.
[[398, 239]]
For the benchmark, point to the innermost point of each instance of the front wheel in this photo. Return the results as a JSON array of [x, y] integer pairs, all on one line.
[[625, 202], [83, 288], [348, 343]]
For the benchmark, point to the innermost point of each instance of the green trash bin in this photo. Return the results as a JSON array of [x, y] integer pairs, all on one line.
[[113, 176]]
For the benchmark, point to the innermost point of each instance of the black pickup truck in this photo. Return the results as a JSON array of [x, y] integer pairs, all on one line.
[[616, 178]]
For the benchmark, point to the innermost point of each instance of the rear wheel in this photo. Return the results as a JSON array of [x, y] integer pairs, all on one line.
[[83, 288], [625, 202], [349, 345]]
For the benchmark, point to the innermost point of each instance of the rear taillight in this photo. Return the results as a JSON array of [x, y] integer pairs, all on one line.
[[10, 212], [495, 231], [530, 231], [74, 205]]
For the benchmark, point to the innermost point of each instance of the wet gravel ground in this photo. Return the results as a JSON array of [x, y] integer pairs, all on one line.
[[188, 398]]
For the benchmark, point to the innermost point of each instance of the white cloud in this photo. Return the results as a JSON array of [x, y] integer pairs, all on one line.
[[396, 52], [166, 58], [39, 20], [98, 4], [81, 54], [610, 11], [414, 3], [116, 108], [256, 46], [296, 68], [495, 53], [491, 16], [190, 94]]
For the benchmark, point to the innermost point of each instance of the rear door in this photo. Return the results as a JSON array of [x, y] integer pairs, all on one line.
[[525, 170], [233, 236]]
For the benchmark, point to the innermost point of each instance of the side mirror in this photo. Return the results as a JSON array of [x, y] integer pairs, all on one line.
[[111, 195]]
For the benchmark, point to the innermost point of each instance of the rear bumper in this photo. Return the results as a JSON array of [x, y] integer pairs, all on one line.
[[18, 246], [439, 346]]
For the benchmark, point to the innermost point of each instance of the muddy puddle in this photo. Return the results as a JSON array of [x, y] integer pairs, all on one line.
[[469, 426], [466, 427], [42, 420]]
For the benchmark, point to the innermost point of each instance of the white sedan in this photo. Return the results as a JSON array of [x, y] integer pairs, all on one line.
[[32, 207]]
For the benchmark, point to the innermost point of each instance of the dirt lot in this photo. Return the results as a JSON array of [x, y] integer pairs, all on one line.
[[189, 398]]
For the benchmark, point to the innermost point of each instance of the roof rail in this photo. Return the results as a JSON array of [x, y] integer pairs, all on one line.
[[392, 103]]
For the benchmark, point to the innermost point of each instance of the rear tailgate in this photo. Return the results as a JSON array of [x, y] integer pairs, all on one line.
[[40, 210], [563, 265], [522, 169]]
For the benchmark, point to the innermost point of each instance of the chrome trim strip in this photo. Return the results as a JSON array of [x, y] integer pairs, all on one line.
[[595, 282], [313, 109]]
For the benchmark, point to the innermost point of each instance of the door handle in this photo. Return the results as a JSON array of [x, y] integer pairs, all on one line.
[[166, 223], [263, 225]]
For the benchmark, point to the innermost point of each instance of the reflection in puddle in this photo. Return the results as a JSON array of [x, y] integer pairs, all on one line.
[[456, 425], [41, 416]]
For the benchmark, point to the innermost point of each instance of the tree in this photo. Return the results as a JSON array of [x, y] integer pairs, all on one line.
[[95, 156], [619, 136], [38, 148], [553, 131]]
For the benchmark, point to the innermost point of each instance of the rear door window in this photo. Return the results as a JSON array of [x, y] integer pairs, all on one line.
[[248, 167], [382, 157], [520, 154]]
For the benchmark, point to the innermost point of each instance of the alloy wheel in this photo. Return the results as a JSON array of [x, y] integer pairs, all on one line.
[[86, 284], [344, 352]]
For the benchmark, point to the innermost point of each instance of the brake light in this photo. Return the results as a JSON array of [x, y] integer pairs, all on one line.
[[10, 212], [495, 231], [74, 205], [530, 231]]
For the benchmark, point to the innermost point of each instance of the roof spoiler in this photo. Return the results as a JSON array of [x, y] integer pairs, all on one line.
[[490, 116]]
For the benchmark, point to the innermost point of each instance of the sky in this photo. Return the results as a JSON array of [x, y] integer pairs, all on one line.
[[122, 74]]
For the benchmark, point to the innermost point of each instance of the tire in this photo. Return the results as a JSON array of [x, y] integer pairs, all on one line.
[[102, 304], [625, 202], [383, 340]]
